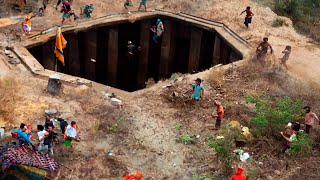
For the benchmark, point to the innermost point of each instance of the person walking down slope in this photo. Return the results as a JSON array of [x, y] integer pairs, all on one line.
[[309, 119], [198, 90], [127, 4], [285, 57], [157, 30], [263, 52], [248, 18]]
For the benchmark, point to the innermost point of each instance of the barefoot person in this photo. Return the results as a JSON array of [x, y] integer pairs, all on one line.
[[285, 57], [198, 90], [248, 18], [262, 50], [67, 12], [219, 115], [127, 4], [143, 3]]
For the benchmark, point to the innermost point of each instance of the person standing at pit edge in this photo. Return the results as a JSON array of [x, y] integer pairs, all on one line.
[[219, 115], [198, 90], [248, 18]]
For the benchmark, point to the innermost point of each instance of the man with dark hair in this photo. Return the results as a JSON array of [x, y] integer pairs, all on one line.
[[50, 136], [24, 138], [309, 119], [262, 53], [248, 18]]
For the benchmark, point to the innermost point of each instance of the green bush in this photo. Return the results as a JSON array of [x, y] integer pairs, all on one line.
[[302, 147], [224, 147], [278, 22], [272, 116], [201, 177]]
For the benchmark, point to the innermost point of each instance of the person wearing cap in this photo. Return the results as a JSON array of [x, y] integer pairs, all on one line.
[[238, 175], [131, 49], [143, 3], [88, 9], [136, 176], [219, 115], [198, 90]]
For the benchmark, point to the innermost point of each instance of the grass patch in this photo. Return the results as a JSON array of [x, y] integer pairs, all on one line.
[[278, 22], [186, 139]]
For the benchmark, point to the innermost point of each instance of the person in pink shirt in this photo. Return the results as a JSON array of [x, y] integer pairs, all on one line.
[[309, 118]]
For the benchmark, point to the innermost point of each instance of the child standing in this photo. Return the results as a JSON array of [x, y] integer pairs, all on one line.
[[285, 57], [143, 3], [128, 3]]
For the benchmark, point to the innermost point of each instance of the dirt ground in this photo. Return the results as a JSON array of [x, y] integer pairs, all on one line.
[[145, 135]]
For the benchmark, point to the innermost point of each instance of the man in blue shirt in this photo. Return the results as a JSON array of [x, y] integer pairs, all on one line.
[[198, 90], [24, 138]]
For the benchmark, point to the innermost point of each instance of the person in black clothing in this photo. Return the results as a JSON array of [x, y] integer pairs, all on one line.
[[50, 137], [48, 123], [63, 125]]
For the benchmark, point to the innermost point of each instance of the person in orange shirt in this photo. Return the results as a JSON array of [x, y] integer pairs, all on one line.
[[136, 176], [238, 175], [26, 24], [219, 115]]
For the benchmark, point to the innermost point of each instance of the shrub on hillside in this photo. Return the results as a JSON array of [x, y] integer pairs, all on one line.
[[302, 147], [278, 22], [271, 116]]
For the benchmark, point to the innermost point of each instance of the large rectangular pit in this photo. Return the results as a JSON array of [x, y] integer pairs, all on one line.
[[184, 47]]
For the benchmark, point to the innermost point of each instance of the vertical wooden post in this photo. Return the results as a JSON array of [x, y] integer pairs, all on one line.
[[113, 56], [195, 49]]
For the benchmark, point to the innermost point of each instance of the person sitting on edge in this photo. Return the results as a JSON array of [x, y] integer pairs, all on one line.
[[248, 18], [88, 9], [289, 140], [219, 115], [238, 175], [198, 90], [310, 118]]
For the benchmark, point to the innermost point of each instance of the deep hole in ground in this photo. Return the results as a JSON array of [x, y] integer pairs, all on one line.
[[184, 47]]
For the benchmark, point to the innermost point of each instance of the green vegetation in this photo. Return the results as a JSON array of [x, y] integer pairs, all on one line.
[[186, 138], [301, 147], [224, 146], [278, 22], [201, 177], [305, 14], [178, 126], [272, 116]]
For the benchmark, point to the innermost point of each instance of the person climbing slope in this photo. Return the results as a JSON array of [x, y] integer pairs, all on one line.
[[263, 52], [219, 115], [198, 90], [248, 18]]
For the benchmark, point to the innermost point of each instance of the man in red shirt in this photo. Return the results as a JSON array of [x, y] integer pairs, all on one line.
[[219, 115], [248, 18], [238, 175]]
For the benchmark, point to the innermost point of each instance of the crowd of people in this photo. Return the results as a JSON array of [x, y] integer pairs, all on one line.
[[47, 134]]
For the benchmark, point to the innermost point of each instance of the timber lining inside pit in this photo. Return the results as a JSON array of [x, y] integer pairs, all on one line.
[[238, 44]]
